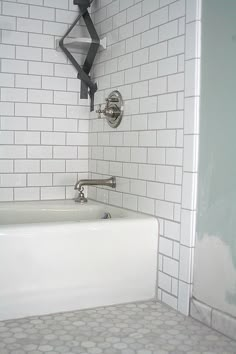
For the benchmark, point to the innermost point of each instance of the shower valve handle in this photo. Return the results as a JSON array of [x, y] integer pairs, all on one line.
[[100, 111], [109, 111], [113, 109]]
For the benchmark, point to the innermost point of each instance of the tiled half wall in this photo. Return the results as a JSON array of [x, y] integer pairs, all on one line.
[[153, 60]]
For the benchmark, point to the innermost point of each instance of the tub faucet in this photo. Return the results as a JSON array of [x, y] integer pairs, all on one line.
[[109, 182]]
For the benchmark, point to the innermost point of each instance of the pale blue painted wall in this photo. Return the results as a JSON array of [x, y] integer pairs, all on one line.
[[215, 255]]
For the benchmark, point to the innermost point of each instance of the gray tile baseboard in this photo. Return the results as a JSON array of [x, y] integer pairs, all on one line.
[[213, 318]]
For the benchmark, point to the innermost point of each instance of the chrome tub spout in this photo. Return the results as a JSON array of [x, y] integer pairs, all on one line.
[[109, 182]]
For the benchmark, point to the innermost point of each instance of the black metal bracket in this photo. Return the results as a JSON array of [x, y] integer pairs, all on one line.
[[87, 86]]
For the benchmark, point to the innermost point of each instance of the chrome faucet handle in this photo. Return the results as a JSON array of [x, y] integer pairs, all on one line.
[[110, 111], [113, 110], [100, 111]]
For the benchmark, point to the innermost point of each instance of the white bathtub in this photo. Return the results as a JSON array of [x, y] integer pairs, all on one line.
[[61, 256]]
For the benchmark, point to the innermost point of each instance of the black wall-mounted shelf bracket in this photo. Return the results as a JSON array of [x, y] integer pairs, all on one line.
[[87, 86]]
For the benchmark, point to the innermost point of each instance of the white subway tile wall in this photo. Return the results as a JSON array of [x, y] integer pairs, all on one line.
[[47, 140], [152, 58], [43, 122]]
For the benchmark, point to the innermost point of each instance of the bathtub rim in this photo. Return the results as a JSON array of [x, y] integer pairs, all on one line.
[[69, 204]]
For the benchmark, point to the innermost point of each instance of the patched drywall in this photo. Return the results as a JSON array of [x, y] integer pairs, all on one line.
[[215, 274], [215, 257]]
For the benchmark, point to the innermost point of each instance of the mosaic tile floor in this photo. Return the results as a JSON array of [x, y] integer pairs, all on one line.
[[143, 328]]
